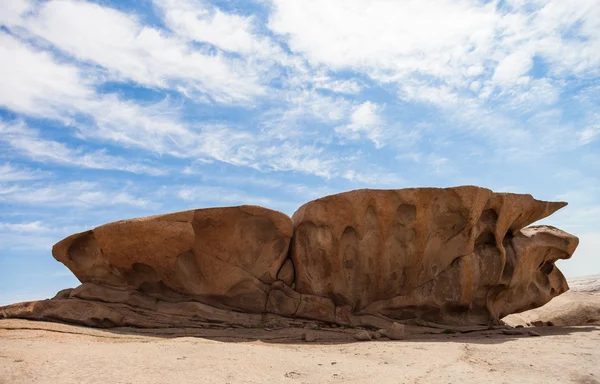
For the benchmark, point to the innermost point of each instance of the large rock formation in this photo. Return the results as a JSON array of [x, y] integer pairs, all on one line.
[[456, 255], [459, 256], [221, 256]]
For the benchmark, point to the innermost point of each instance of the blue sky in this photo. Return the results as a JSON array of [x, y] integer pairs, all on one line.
[[114, 109]]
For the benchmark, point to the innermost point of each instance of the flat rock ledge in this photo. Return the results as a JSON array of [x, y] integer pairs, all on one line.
[[459, 257]]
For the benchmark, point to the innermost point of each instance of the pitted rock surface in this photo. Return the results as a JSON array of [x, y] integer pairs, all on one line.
[[458, 256]]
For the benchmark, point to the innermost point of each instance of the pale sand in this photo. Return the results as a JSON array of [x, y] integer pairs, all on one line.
[[42, 352], [37, 352]]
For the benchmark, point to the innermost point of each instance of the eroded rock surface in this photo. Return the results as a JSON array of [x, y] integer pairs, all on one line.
[[461, 256], [222, 256], [457, 255]]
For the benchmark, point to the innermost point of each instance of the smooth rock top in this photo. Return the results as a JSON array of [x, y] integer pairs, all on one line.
[[224, 256]]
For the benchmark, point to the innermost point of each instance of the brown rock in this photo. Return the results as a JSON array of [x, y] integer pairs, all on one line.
[[283, 300], [221, 256], [316, 308], [454, 256], [362, 335], [286, 273], [511, 332], [537, 323], [309, 337], [395, 332]]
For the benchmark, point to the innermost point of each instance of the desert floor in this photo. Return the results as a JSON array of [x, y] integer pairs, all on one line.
[[38, 352]]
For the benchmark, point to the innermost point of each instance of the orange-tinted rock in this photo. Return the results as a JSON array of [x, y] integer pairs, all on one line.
[[455, 255], [222, 256], [460, 256]]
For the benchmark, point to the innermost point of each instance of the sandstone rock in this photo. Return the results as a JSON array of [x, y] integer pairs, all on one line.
[[316, 308], [309, 337], [362, 335], [283, 300], [395, 332], [533, 333], [226, 257], [458, 256], [538, 323], [572, 308], [286, 272], [453, 256]]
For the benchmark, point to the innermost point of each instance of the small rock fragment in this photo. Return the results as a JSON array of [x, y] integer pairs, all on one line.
[[375, 335], [309, 337], [533, 333], [511, 332], [362, 336], [396, 332]]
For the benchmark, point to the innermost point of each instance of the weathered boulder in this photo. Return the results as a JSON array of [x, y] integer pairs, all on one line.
[[458, 256], [455, 255], [226, 257], [362, 335]]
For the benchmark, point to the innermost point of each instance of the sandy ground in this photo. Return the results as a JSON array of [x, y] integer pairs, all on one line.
[[43, 352], [37, 352]]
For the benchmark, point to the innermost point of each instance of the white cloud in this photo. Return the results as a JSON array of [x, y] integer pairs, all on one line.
[[13, 9], [11, 173], [146, 55], [365, 119], [378, 33], [27, 142], [589, 134], [304, 158], [375, 178], [34, 226], [197, 21], [439, 51], [155, 127], [73, 194], [513, 67], [438, 95], [37, 227], [223, 196], [33, 83], [345, 86], [311, 104], [39, 85]]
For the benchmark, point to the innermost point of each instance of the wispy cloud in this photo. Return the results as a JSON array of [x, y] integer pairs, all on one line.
[[129, 50], [12, 173], [27, 142], [365, 120], [76, 193]]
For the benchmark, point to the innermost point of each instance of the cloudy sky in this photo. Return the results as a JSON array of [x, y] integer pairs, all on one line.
[[117, 109]]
